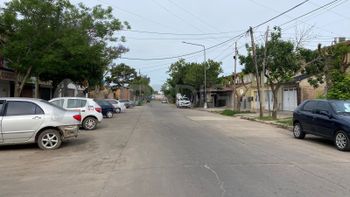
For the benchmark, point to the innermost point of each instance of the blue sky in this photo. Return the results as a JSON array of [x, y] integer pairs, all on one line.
[[222, 19]]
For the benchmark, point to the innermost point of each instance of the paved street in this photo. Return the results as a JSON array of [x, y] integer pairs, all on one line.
[[158, 150]]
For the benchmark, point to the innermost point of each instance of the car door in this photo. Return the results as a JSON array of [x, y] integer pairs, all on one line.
[[323, 124], [306, 115], [2, 106], [20, 121], [77, 105]]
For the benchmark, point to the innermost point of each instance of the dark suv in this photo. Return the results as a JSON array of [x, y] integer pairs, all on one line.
[[326, 118]]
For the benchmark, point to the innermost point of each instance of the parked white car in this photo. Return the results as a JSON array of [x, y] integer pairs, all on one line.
[[183, 102], [25, 120], [118, 106], [91, 112]]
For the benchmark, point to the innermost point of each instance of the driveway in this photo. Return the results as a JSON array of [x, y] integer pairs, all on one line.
[[159, 150]]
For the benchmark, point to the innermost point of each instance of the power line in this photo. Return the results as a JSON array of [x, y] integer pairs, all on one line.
[[242, 34], [310, 12], [283, 13], [182, 34]]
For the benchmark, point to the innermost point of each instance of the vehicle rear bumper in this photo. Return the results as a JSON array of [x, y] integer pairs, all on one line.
[[70, 131]]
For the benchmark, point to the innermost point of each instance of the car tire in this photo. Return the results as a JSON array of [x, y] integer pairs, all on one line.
[[341, 141], [90, 123], [298, 131], [118, 110], [109, 114], [49, 139]]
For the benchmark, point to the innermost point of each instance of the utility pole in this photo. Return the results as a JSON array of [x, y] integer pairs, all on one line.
[[264, 69], [234, 78], [257, 71]]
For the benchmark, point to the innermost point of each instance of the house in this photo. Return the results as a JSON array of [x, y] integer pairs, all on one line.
[[289, 95]]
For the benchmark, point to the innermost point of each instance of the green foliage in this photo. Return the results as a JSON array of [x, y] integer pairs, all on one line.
[[281, 60], [327, 64], [340, 88], [122, 75], [55, 40], [141, 86], [191, 74], [286, 121]]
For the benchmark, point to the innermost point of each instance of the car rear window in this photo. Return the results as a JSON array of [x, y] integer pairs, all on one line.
[[112, 101]]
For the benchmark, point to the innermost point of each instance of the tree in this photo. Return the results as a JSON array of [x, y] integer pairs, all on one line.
[[122, 75], [141, 86], [182, 73], [281, 63], [55, 40], [328, 65]]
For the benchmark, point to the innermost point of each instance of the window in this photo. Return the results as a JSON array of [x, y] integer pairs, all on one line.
[[112, 101], [18, 108], [1, 106], [309, 106], [58, 102], [76, 103], [323, 106]]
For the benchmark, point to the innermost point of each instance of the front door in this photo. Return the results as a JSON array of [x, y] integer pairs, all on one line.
[[290, 101], [20, 121], [307, 116], [323, 125]]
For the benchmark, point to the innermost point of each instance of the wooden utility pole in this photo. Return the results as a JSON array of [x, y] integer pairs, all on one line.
[[234, 78], [257, 71], [264, 68]]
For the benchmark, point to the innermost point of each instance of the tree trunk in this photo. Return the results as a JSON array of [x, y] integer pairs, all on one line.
[[238, 104], [20, 81], [275, 103]]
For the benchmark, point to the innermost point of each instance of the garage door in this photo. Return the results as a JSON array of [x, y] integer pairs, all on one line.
[[290, 101]]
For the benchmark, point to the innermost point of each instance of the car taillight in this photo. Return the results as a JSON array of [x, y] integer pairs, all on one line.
[[77, 117], [98, 109]]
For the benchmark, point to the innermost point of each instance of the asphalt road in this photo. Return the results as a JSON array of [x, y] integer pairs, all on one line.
[[158, 150]]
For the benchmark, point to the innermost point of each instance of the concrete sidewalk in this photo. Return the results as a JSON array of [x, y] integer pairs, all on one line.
[[280, 114]]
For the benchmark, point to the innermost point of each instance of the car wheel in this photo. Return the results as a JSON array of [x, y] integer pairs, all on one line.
[[298, 131], [49, 139], [90, 123], [109, 114], [118, 110], [341, 141]]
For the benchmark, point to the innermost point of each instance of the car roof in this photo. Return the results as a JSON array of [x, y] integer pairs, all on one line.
[[72, 98], [19, 99], [328, 100]]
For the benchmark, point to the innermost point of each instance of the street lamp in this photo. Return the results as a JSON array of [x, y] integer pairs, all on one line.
[[205, 71]]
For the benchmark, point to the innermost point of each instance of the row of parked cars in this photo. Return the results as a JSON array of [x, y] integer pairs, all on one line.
[[48, 123]]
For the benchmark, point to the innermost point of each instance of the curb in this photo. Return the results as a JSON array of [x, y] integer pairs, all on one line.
[[290, 128]]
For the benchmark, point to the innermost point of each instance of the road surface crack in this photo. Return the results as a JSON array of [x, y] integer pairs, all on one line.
[[219, 181]]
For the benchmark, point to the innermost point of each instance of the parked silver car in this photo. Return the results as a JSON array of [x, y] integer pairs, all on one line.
[[25, 120]]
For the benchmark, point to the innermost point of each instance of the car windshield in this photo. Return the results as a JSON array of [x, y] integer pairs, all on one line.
[[341, 107], [124, 101], [185, 99]]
